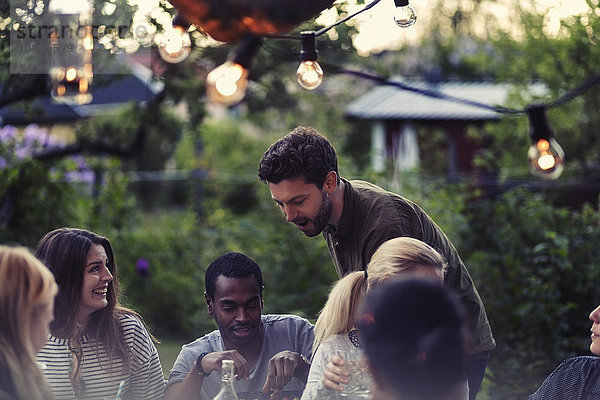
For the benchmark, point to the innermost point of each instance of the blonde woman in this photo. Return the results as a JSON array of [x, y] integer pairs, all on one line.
[[335, 329], [97, 348], [27, 290]]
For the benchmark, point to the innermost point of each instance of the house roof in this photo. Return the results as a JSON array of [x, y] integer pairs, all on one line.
[[108, 96], [392, 102]]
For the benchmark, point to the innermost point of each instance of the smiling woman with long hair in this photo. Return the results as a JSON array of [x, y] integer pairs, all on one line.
[[27, 293], [97, 347]]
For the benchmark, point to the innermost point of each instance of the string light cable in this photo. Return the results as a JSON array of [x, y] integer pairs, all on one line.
[[329, 27], [571, 94], [227, 84], [545, 155]]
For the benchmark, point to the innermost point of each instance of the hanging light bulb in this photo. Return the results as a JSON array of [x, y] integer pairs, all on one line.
[[175, 44], [71, 45], [405, 15], [309, 74], [227, 83], [546, 157]]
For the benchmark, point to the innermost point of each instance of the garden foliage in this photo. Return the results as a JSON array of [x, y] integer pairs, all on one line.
[[536, 268], [535, 264]]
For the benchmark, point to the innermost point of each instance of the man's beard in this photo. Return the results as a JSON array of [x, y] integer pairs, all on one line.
[[322, 217]]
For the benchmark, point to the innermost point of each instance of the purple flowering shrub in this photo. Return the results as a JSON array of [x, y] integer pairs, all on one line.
[[33, 195], [17, 149]]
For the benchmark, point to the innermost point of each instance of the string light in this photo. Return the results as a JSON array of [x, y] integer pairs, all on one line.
[[175, 44], [309, 73], [405, 15], [71, 45], [226, 84], [546, 157]]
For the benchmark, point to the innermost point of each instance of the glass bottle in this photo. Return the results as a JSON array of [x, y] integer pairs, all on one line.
[[227, 391]]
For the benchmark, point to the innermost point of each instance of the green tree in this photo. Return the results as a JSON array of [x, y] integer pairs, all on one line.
[[562, 61]]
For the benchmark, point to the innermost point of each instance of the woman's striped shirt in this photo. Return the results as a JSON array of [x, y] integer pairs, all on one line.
[[145, 379]]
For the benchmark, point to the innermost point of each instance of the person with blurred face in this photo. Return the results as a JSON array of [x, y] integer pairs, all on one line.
[[335, 328], [576, 378], [27, 290], [270, 352], [97, 347], [414, 336], [355, 217]]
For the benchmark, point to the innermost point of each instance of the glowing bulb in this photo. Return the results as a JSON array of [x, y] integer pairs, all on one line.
[[71, 86], [88, 39], [546, 158], [309, 75], [83, 85], [546, 162], [405, 15], [58, 74], [175, 45], [227, 83], [71, 74]]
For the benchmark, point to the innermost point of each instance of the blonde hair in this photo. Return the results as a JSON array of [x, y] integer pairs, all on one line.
[[396, 256], [343, 302], [27, 285], [399, 255]]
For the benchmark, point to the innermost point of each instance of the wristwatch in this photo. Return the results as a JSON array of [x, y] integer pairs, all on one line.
[[199, 365]]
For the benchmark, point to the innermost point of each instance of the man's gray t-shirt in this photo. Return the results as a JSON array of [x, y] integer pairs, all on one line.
[[281, 332]]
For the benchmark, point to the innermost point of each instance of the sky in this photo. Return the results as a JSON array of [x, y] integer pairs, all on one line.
[[378, 30]]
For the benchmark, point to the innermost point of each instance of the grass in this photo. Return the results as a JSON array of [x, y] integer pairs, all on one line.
[[168, 351]]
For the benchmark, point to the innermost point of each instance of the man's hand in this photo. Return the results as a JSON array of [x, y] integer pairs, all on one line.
[[212, 362], [282, 366], [335, 374], [190, 387]]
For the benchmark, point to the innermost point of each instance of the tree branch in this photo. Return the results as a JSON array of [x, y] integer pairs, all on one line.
[[15, 89]]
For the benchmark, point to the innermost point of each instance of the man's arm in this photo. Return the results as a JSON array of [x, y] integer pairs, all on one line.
[[187, 389], [190, 387]]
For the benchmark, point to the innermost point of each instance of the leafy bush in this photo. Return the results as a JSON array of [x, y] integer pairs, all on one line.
[[39, 193], [26, 184], [162, 264], [533, 263], [161, 267], [536, 269], [237, 214]]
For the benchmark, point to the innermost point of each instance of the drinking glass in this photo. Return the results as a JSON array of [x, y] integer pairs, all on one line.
[[360, 384]]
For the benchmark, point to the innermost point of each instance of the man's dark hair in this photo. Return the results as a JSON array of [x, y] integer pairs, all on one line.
[[413, 331], [231, 265], [301, 153]]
